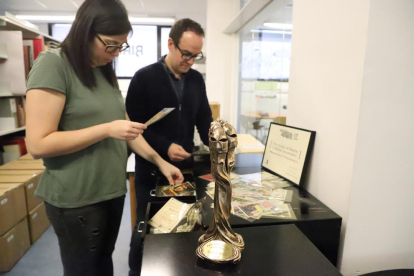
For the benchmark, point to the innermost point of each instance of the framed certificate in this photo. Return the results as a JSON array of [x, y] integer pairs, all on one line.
[[287, 152]]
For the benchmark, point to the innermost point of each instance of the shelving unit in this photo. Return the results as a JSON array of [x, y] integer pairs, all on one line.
[[5, 132], [11, 54], [9, 22], [3, 53]]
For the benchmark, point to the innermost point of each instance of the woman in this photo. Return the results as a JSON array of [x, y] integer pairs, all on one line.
[[76, 122]]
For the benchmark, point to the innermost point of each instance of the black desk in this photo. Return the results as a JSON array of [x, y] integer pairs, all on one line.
[[280, 250], [320, 224]]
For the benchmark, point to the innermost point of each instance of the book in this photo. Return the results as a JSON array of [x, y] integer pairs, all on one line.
[[20, 111], [29, 43], [26, 60], [183, 189], [37, 46]]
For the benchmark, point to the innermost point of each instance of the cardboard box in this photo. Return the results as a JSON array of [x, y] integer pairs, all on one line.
[[20, 172], [26, 157], [38, 222], [12, 206], [30, 161], [13, 245], [215, 109], [30, 182], [24, 165]]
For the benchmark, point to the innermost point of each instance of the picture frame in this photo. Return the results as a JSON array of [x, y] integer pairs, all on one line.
[[287, 152]]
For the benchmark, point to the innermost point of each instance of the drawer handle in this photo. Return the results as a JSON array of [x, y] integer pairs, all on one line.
[[139, 230]]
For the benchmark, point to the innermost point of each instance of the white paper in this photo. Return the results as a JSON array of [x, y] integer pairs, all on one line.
[[168, 217], [286, 150], [159, 115]]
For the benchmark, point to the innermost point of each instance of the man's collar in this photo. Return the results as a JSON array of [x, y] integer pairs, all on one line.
[[162, 60]]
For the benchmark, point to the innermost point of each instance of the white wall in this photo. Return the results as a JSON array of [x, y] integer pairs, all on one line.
[[222, 57], [328, 52], [43, 27], [380, 231], [351, 81]]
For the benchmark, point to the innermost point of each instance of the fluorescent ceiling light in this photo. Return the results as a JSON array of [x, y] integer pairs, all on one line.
[[270, 32], [50, 18], [62, 25], [70, 18], [152, 20], [280, 26], [30, 25]]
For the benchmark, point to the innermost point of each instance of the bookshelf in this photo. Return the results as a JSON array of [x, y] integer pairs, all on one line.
[[20, 43], [9, 22], [11, 131], [3, 53]]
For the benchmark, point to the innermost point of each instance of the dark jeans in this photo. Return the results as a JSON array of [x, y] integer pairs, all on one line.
[[144, 183], [87, 236]]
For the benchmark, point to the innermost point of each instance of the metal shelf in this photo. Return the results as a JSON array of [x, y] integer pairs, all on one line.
[[7, 24], [5, 132]]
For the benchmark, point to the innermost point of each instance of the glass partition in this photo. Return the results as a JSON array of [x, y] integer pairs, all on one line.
[[265, 47]]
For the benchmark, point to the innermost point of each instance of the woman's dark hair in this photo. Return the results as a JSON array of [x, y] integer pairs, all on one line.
[[107, 17], [182, 26]]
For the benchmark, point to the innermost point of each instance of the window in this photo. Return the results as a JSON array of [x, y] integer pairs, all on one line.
[[147, 44], [265, 50], [266, 56]]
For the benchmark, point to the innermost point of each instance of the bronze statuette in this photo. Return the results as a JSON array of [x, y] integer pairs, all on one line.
[[220, 243]]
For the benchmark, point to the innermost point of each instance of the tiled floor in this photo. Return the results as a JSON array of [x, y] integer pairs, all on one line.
[[43, 257]]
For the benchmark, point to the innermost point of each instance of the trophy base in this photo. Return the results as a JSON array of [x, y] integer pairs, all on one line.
[[218, 251]]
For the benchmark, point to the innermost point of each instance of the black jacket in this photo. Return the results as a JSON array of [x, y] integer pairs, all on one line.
[[150, 91]]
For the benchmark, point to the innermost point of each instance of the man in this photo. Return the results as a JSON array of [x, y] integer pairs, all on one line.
[[168, 83]]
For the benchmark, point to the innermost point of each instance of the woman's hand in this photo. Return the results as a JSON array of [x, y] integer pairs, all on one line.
[[125, 130], [172, 173]]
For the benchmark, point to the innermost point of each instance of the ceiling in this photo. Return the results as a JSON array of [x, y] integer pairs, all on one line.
[[194, 9]]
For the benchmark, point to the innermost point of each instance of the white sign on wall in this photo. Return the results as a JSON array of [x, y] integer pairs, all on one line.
[[143, 48], [142, 51]]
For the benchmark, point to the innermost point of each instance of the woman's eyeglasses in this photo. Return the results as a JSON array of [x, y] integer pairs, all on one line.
[[113, 48]]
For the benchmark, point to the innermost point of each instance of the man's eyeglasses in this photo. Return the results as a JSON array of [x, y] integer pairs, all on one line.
[[190, 56], [113, 48]]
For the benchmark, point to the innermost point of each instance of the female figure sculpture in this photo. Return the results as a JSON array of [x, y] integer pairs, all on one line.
[[220, 243]]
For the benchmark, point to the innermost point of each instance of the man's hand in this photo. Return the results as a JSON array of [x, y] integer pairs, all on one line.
[[172, 173], [177, 153]]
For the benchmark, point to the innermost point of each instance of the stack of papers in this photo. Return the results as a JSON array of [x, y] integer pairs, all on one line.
[[258, 195], [169, 216]]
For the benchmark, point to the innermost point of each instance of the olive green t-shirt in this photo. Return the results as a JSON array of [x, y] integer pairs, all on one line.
[[98, 172]]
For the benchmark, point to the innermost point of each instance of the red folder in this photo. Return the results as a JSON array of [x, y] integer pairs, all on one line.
[[37, 46]]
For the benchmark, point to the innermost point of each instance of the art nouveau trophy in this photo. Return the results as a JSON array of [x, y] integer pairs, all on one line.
[[220, 244]]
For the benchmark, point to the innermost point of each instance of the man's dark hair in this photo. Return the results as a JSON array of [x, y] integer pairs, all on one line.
[[107, 17], [182, 26]]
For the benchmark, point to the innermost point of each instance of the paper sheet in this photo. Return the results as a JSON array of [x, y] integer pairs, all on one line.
[[159, 115]]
